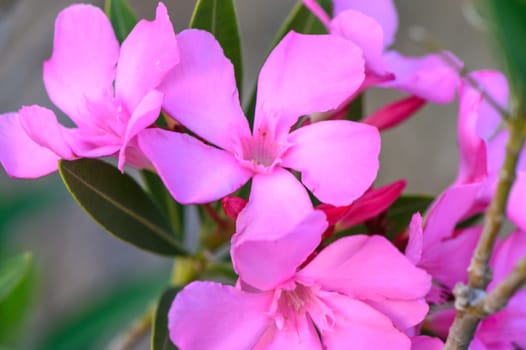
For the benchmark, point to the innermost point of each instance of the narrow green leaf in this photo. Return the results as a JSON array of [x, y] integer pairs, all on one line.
[[508, 24], [12, 271], [400, 213], [219, 18], [160, 335], [173, 210], [122, 17], [300, 20], [119, 204], [16, 307]]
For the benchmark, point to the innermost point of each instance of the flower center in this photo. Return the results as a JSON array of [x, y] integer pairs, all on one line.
[[261, 152], [296, 302]]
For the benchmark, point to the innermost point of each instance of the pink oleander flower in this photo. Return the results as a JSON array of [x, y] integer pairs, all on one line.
[[338, 160], [372, 25], [357, 293], [429, 245], [110, 93], [482, 144], [504, 329]]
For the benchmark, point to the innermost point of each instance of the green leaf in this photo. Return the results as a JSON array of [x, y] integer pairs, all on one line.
[[160, 336], [219, 18], [102, 319], [508, 24], [12, 271], [300, 20], [122, 17], [15, 308], [400, 213], [119, 204], [173, 210]]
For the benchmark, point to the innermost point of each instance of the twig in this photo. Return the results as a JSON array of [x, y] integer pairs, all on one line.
[[135, 333], [466, 321], [424, 39]]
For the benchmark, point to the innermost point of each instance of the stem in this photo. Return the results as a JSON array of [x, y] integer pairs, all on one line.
[[429, 43], [213, 214], [135, 333], [466, 321]]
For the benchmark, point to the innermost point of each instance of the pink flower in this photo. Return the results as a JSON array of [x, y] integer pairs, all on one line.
[[109, 93], [430, 245], [304, 74], [372, 25], [483, 144], [358, 293]]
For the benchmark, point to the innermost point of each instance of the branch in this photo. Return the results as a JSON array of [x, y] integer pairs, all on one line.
[[466, 321]]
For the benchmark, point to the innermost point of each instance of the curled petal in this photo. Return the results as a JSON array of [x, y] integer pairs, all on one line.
[[82, 66], [42, 126], [306, 74], [147, 54], [201, 91], [413, 251], [192, 171], [207, 315], [338, 159], [19, 154], [383, 11], [144, 115]]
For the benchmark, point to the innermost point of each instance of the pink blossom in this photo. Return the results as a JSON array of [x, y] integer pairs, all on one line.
[[372, 25], [358, 293], [79, 77], [482, 143], [303, 74]]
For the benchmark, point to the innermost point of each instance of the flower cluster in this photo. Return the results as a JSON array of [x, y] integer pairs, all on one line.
[[304, 280]]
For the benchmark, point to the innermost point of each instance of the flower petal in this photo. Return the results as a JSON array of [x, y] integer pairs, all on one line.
[[144, 115], [42, 127], [306, 74], [266, 263], [413, 250], [338, 159], [201, 91], [453, 205], [302, 336], [147, 54], [19, 154], [374, 202], [362, 326], [207, 315], [367, 267], [423, 342], [82, 66], [192, 171], [365, 32], [430, 77], [461, 247], [278, 202], [383, 11]]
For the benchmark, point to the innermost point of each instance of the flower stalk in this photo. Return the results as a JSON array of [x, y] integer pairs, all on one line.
[[467, 318]]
